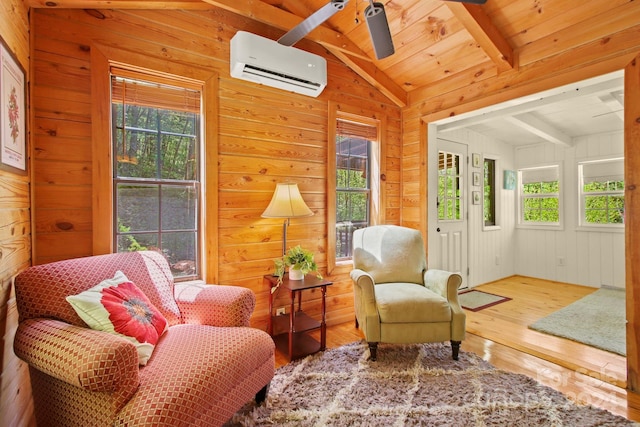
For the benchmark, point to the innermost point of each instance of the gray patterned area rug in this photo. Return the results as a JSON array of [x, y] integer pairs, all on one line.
[[411, 385]]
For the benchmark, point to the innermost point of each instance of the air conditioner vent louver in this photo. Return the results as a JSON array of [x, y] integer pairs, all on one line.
[[265, 61], [279, 76]]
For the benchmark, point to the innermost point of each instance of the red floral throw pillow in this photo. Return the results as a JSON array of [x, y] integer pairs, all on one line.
[[118, 306]]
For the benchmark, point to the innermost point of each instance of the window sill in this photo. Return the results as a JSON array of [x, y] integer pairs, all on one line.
[[599, 229], [540, 227]]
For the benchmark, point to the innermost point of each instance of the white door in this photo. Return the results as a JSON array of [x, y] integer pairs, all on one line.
[[448, 204]]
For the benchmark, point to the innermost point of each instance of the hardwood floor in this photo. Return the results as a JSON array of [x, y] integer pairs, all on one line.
[[500, 335]]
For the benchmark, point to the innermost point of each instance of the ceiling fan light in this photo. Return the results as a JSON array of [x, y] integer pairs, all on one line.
[[379, 30]]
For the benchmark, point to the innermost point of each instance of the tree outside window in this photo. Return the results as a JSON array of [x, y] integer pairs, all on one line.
[[489, 193], [450, 177], [602, 192], [352, 190], [540, 195]]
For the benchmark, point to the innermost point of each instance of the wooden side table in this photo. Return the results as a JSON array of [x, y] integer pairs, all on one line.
[[291, 333]]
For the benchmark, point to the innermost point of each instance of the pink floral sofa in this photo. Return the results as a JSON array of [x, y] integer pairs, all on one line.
[[206, 362]]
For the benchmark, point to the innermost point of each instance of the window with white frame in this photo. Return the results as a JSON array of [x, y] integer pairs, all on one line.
[[156, 170], [450, 192], [601, 192], [539, 196]]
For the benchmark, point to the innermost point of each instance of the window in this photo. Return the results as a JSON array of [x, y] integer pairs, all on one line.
[[353, 189], [602, 192], [539, 193], [450, 200], [489, 199], [156, 170]]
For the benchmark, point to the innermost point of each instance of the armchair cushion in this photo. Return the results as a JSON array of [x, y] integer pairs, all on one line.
[[410, 303], [389, 254], [117, 306]]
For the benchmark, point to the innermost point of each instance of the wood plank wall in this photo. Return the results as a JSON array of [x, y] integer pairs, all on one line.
[[15, 240], [265, 136]]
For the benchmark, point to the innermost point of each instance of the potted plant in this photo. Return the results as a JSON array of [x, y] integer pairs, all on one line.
[[299, 261]]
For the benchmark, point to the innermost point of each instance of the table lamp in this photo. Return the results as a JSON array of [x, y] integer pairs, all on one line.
[[286, 203]]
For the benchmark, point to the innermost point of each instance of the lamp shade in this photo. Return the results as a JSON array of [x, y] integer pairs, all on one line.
[[287, 202]]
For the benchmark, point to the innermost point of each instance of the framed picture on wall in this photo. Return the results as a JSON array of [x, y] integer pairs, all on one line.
[[13, 113], [475, 160], [475, 197], [476, 179], [509, 180]]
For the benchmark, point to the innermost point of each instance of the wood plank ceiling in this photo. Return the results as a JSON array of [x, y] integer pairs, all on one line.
[[437, 42]]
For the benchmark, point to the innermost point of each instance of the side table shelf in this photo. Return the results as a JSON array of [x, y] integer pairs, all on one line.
[[290, 332]]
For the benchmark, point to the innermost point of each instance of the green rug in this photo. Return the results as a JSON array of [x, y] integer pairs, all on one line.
[[597, 320]]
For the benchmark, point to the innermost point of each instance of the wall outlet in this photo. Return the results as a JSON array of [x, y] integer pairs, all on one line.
[[497, 259], [561, 261], [281, 311]]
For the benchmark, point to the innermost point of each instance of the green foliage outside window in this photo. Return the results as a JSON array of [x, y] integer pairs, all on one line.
[[604, 202], [157, 182], [449, 188], [541, 202], [489, 193], [352, 191]]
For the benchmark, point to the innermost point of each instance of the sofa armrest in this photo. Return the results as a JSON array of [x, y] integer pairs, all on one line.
[[215, 305], [93, 360]]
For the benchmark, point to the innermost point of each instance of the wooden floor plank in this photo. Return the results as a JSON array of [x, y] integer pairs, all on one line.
[[500, 335]]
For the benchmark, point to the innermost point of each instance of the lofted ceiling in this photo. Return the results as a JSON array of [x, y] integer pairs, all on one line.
[[448, 45]]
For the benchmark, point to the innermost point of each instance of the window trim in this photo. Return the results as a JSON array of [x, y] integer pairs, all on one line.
[[560, 195], [102, 164], [378, 166]]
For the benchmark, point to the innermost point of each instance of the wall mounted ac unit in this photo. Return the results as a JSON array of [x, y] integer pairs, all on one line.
[[261, 60]]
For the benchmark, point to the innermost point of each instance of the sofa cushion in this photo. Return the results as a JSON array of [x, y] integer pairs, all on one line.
[[410, 303], [117, 306], [194, 373]]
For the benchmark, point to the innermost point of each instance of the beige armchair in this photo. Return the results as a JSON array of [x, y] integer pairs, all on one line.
[[397, 300]]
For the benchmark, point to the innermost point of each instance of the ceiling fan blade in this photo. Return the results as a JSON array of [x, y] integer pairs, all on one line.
[[470, 1], [379, 30], [298, 32]]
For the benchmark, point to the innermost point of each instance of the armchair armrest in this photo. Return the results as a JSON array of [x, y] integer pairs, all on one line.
[[215, 305], [365, 303], [446, 284], [443, 283], [93, 360]]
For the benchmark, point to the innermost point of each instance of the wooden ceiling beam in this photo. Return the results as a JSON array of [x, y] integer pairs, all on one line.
[[540, 128], [118, 4], [281, 19], [336, 43], [375, 77], [479, 25]]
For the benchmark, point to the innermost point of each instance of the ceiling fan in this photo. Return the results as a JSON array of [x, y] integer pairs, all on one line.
[[375, 17]]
